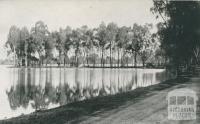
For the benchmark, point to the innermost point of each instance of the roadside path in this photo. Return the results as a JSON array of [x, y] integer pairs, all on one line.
[[151, 110]]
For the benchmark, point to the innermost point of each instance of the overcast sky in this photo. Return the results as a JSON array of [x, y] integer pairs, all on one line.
[[75, 13]]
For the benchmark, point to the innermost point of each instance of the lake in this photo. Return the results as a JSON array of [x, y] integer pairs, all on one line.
[[24, 90]]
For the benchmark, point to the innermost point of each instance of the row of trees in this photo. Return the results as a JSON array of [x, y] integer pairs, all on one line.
[[106, 44]]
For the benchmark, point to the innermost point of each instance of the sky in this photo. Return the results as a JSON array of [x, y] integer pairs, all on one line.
[[74, 13]]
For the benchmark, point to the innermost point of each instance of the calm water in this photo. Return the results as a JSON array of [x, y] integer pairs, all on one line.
[[23, 91]]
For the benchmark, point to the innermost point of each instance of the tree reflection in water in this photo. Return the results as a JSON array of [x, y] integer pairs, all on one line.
[[25, 91]]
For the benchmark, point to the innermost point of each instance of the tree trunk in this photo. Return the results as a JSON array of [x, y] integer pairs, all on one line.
[[14, 57], [76, 58], [143, 63], [84, 58], [122, 60], [26, 59], [64, 61], [87, 59], [127, 61], [75, 63], [42, 62], [40, 59], [102, 61], [94, 62], [118, 58], [46, 59], [110, 54], [59, 57], [132, 57], [135, 59]]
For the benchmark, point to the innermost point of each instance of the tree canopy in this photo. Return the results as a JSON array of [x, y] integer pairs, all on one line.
[[179, 32], [107, 44]]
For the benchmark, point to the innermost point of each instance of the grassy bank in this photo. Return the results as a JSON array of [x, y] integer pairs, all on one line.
[[139, 67], [73, 113]]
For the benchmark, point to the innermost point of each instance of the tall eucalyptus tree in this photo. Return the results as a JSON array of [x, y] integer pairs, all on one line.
[[102, 41], [40, 35], [111, 32]]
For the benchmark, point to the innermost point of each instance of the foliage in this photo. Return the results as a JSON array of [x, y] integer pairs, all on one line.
[[106, 44], [179, 32]]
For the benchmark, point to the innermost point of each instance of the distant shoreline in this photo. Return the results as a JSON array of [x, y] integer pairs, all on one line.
[[138, 67], [90, 67]]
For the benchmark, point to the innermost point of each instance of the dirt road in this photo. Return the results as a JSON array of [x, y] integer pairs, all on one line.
[[151, 110]]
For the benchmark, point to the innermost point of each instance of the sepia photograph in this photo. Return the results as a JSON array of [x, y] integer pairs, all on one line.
[[99, 62]]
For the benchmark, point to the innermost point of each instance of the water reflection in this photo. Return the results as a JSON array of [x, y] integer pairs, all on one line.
[[43, 87]]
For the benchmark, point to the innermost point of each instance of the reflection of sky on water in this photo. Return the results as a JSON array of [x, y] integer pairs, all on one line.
[[26, 90]]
